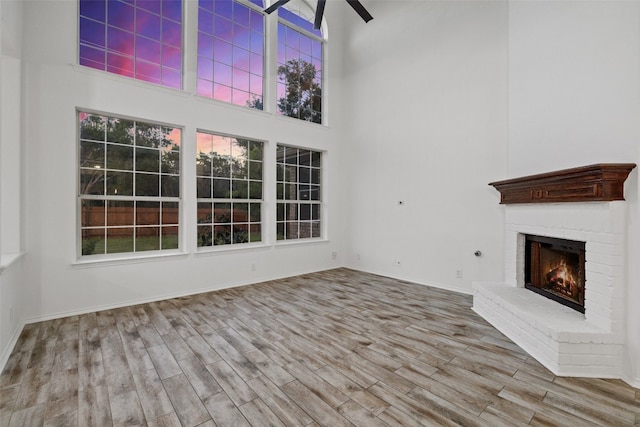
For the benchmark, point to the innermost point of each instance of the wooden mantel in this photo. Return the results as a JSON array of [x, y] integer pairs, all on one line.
[[601, 182]]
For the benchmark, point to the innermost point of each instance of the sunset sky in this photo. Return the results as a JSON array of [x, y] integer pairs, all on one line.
[[148, 47], [142, 39]]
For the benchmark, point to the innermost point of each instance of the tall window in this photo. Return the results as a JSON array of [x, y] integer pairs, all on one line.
[[231, 52], [299, 84], [141, 39], [229, 190], [129, 186], [298, 193]]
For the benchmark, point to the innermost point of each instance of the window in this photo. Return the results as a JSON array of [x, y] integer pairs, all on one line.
[[299, 84], [231, 52], [141, 39], [129, 185], [298, 193], [229, 190]]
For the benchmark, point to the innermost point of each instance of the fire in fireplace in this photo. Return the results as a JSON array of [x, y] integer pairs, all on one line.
[[554, 268]]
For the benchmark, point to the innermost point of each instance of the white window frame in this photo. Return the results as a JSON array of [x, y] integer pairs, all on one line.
[[316, 207], [323, 43], [133, 198], [231, 200]]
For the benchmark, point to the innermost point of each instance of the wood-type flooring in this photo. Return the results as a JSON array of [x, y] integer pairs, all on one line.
[[335, 348]]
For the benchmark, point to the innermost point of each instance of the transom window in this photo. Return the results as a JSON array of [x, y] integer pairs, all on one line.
[[298, 188], [141, 39], [299, 80], [229, 190], [129, 185], [231, 51]]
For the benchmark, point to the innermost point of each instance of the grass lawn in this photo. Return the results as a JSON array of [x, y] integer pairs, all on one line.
[[96, 245]]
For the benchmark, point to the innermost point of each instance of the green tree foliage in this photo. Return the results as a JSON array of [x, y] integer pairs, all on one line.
[[224, 235], [303, 94], [107, 150], [256, 103], [230, 172]]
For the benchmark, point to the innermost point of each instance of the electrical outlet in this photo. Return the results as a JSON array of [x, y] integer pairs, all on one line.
[[334, 255], [458, 274]]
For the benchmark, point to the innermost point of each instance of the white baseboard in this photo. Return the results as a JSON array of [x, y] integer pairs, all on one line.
[[162, 297], [633, 382], [411, 280], [4, 357]]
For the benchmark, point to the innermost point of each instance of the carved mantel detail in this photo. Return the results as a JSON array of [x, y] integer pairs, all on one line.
[[602, 182]]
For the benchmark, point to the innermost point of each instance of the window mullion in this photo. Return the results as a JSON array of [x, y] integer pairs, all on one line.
[[190, 45], [271, 63]]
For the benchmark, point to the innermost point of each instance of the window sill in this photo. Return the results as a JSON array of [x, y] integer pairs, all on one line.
[[130, 80], [298, 242], [184, 93], [212, 250], [295, 120], [8, 259], [229, 105], [100, 260]]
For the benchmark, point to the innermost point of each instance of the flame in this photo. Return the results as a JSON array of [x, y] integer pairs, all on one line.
[[561, 279]]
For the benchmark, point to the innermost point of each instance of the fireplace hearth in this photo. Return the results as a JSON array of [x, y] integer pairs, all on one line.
[[584, 204], [555, 269]]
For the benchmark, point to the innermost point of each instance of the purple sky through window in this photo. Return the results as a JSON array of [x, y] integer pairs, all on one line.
[[141, 39], [230, 52], [298, 21]]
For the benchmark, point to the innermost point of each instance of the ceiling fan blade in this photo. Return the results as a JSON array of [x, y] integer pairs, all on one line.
[[319, 13], [359, 8], [275, 6]]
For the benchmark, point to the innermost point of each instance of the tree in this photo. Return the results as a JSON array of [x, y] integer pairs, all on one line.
[[256, 102], [303, 94], [159, 154]]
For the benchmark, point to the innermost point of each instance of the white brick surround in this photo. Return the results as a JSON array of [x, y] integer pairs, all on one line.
[[564, 340]]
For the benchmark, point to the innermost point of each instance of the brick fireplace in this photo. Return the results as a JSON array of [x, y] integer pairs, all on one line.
[[582, 205]]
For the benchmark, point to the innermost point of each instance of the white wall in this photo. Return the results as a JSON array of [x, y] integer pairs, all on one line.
[[11, 310], [55, 87], [426, 110], [574, 100], [10, 131]]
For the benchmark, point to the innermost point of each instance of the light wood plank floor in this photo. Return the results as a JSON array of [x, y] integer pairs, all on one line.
[[336, 348]]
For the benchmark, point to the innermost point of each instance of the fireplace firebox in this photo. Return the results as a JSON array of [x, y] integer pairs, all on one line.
[[555, 269]]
